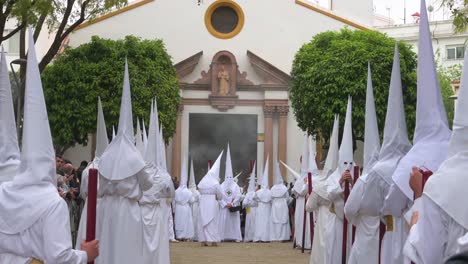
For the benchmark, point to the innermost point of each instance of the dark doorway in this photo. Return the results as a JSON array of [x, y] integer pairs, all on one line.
[[209, 135]]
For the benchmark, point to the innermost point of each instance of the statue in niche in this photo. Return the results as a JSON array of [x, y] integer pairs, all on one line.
[[223, 76]]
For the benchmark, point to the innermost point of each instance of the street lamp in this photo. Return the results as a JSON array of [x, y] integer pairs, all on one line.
[[18, 84]]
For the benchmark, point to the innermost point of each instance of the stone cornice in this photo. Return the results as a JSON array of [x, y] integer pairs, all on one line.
[[185, 67]]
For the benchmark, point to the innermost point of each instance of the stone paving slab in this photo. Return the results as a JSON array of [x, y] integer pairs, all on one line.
[[230, 253]]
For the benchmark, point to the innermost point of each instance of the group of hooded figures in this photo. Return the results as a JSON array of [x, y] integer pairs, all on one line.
[[423, 223], [407, 205]]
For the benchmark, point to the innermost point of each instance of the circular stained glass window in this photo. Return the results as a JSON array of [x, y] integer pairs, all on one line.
[[224, 19]]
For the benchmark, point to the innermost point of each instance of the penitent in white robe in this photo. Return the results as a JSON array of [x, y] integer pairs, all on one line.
[[365, 249], [154, 210], [251, 206], [279, 228], [51, 227], [183, 220], [119, 208], [263, 216], [195, 211], [300, 190], [229, 222], [334, 231], [321, 207], [434, 237], [208, 221]]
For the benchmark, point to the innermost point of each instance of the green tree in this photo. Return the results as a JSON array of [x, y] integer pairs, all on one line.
[[447, 75], [459, 11], [74, 81], [333, 65]]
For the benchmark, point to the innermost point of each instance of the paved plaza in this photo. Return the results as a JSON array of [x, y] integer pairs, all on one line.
[[235, 253]]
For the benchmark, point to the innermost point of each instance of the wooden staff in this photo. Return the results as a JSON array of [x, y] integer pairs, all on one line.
[[309, 178], [91, 210], [345, 225], [356, 177], [382, 230], [304, 222]]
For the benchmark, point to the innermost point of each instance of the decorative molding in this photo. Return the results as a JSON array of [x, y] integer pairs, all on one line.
[[113, 13], [223, 103], [330, 15], [270, 73], [268, 110], [240, 87], [282, 110], [185, 67]]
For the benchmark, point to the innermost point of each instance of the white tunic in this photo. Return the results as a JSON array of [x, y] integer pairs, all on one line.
[[300, 190], [434, 237], [229, 222], [365, 248], [48, 239], [154, 210], [251, 206], [119, 208], [195, 210], [321, 207], [279, 229], [263, 216], [208, 221], [334, 231], [183, 220]]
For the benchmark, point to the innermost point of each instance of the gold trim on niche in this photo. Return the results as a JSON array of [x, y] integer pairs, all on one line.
[[229, 3]]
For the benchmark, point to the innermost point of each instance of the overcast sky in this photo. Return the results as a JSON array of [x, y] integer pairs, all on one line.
[[395, 9]]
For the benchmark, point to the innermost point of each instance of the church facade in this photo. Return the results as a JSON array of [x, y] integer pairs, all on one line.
[[233, 60]]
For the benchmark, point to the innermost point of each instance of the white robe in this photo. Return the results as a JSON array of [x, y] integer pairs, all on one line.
[[195, 210], [251, 207], [48, 239], [434, 237], [229, 222], [300, 190], [372, 203], [183, 220], [154, 211], [119, 208], [321, 207], [170, 220], [279, 228], [208, 221], [365, 248], [263, 216], [334, 231]]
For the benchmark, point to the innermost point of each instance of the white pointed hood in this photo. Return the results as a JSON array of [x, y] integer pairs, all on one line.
[[431, 136], [278, 179], [312, 165], [183, 175], [162, 150], [153, 139], [145, 136], [102, 140], [395, 139], [371, 131], [305, 156], [294, 173], [447, 187], [139, 140], [331, 161], [9, 150], [228, 175], [33, 190], [251, 187], [121, 158], [345, 154], [211, 178], [264, 184], [192, 184]]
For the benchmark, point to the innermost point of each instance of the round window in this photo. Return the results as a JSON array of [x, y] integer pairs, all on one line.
[[224, 19]]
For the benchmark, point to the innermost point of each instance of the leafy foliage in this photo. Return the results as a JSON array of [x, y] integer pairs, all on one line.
[[74, 81], [446, 76], [333, 65], [459, 10]]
